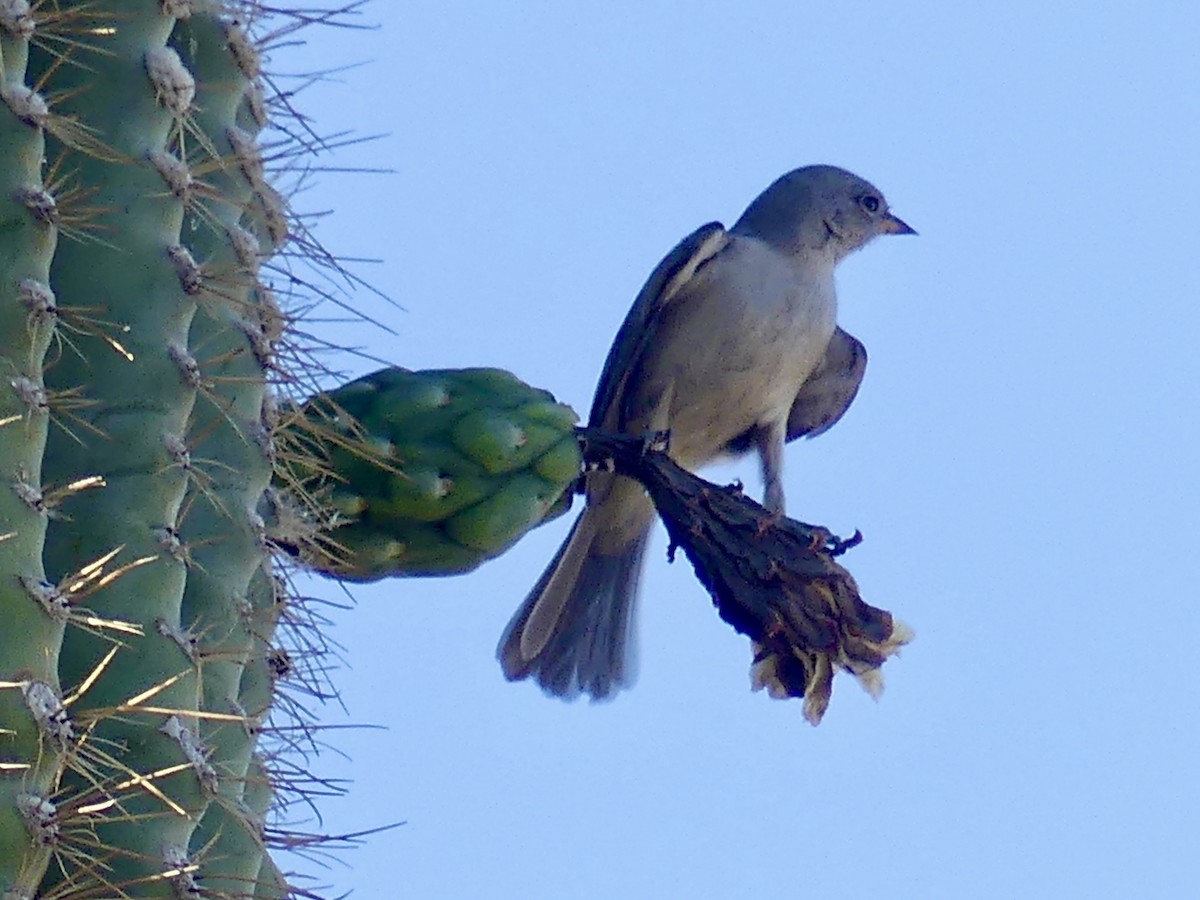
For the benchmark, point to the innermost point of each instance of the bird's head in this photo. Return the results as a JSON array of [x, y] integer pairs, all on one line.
[[820, 210]]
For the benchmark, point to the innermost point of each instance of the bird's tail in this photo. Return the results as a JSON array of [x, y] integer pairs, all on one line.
[[573, 634]]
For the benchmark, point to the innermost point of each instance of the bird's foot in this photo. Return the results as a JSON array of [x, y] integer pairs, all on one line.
[[656, 442]]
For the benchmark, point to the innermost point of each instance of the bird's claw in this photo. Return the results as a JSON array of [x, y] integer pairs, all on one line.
[[656, 442], [836, 546]]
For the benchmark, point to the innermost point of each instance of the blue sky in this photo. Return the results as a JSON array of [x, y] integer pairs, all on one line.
[[1021, 458]]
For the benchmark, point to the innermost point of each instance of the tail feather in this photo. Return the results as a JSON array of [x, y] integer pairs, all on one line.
[[573, 634]]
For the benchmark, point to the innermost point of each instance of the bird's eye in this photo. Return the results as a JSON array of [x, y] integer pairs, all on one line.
[[870, 203]]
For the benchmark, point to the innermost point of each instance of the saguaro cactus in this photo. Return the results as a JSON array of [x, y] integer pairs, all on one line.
[[138, 598]]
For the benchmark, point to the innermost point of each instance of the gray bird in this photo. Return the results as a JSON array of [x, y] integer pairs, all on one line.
[[731, 346]]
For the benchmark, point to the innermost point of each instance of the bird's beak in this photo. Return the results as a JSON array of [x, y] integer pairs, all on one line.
[[890, 224]]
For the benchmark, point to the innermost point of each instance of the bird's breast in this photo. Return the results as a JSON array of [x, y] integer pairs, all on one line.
[[736, 350]]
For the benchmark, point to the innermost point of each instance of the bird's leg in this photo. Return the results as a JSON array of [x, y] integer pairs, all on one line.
[[769, 439], [655, 414]]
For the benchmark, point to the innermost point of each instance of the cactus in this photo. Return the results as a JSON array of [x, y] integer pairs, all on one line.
[[432, 473], [138, 595]]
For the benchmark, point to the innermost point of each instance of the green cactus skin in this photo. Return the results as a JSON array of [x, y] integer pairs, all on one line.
[[435, 472], [136, 448]]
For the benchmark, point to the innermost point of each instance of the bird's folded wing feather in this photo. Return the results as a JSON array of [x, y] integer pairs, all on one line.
[[828, 392], [637, 331]]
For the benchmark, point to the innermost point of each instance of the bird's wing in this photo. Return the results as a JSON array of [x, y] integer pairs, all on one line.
[[828, 392], [637, 331]]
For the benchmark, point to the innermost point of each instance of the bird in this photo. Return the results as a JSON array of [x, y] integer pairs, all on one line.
[[731, 346]]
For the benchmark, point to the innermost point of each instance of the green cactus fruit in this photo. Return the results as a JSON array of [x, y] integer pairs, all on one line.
[[435, 472]]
